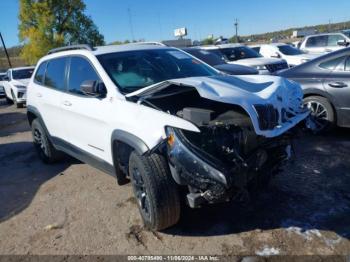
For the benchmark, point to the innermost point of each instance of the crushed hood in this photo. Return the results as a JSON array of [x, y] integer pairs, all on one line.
[[227, 89], [245, 91]]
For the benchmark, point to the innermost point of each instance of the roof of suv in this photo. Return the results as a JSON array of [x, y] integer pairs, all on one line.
[[99, 50], [336, 33], [230, 45]]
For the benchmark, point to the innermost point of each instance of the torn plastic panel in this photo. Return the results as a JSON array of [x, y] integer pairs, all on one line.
[[215, 173]]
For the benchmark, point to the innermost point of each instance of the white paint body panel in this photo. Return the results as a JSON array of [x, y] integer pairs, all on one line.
[[271, 50]]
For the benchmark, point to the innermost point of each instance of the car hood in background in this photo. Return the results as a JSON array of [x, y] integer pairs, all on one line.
[[234, 69], [23, 82], [299, 59], [258, 61]]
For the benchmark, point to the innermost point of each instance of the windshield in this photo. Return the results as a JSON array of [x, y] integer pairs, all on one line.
[[22, 73], [134, 70], [289, 50], [237, 53], [209, 58]]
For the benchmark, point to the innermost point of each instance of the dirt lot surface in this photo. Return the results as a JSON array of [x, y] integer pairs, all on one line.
[[72, 208]]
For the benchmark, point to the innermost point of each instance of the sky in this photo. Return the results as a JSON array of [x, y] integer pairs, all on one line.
[[154, 20]]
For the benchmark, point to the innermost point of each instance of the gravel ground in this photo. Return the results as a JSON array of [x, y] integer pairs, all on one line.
[[72, 208]]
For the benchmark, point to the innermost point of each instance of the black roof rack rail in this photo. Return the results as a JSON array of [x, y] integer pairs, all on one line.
[[70, 47]]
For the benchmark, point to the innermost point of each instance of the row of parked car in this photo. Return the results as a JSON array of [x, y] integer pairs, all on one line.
[[175, 125], [325, 78]]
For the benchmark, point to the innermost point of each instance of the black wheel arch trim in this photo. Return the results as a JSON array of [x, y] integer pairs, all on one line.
[[318, 92], [33, 110], [135, 142]]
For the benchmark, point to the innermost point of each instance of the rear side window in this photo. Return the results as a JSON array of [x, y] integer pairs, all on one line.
[[317, 41], [80, 71], [55, 73], [332, 64], [39, 75]]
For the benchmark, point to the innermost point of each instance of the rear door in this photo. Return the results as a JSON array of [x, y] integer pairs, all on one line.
[[47, 91], [337, 84], [85, 117]]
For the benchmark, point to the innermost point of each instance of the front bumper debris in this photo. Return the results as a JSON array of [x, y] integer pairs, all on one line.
[[209, 179]]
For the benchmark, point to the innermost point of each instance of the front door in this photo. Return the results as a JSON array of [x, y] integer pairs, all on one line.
[[85, 117]]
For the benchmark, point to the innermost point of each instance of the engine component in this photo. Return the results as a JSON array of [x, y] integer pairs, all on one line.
[[198, 116]]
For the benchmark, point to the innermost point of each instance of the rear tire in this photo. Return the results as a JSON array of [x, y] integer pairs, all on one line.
[[322, 118], [46, 151], [155, 190]]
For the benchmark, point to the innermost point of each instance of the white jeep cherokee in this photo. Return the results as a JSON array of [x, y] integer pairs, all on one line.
[[164, 120]]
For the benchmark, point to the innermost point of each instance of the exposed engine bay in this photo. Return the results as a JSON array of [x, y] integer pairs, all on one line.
[[226, 156]]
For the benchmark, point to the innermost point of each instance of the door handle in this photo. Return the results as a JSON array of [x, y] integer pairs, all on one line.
[[67, 103], [39, 95], [338, 84]]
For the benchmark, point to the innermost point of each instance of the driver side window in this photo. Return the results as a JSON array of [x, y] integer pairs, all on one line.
[[80, 70]]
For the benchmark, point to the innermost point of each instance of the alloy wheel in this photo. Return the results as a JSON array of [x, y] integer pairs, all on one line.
[[319, 116], [38, 139], [141, 192]]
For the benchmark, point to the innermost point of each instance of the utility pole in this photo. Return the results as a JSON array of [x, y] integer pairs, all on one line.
[[236, 26], [131, 26], [7, 55]]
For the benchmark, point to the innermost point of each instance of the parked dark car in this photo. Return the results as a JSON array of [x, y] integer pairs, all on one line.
[[219, 63], [326, 85]]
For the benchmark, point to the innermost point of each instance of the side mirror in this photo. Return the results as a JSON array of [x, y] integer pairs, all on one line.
[[93, 88], [342, 42], [276, 55]]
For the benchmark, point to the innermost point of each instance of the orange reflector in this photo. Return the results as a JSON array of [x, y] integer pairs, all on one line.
[[171, 139]]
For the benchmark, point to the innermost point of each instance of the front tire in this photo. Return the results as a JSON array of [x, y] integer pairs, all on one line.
[[155, 190], [46, 151], [322, 118]]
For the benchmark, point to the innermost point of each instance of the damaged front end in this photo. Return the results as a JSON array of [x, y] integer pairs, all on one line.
[[215, 163], [244, 139]]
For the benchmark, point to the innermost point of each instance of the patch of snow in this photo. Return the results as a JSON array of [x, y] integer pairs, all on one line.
[[332, 242], [268, 251], [306, 234]]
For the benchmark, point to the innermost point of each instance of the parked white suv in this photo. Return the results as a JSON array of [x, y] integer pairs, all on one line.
[[164, 120], [324, 43], [243, 55], [292, 55], [2, 90], [15, 84]]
